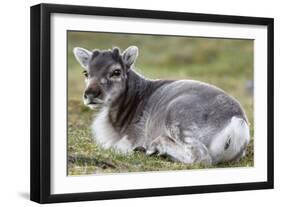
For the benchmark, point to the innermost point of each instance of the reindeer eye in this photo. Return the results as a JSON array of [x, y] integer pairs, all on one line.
[[85, 73], [116, 73]]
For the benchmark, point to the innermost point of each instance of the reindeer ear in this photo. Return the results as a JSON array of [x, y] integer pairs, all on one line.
[[130, 55], [82, 56]]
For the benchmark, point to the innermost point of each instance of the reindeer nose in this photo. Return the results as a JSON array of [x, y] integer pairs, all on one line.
[[90, 93]]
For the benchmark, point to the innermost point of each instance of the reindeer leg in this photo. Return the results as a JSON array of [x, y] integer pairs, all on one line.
[[191, 151]]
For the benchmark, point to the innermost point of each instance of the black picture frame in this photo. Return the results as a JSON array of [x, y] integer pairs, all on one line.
[[41, 98]]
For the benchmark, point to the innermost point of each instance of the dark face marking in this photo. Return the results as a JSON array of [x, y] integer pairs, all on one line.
[[105, 77]]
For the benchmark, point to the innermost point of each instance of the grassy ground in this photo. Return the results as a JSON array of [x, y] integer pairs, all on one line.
[[227, 64]]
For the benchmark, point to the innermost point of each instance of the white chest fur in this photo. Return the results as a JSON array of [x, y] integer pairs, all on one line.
[[107, 137]]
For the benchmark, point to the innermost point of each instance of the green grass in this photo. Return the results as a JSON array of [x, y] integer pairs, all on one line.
[[227, 64], [86, 157]]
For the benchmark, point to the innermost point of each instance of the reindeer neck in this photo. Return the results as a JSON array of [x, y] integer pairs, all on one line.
[[130, 102]]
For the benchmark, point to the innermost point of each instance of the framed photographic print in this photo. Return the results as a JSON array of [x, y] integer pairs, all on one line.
[[133, 103]]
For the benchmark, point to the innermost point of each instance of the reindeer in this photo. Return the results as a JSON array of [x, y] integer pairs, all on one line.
[[187, 120]]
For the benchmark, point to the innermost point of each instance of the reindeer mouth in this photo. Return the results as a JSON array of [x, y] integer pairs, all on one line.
[[94, 102]]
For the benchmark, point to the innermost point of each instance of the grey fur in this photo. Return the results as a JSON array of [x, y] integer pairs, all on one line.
[[186, 120]]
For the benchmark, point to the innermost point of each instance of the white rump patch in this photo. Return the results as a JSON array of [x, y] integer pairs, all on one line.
[[231, 141]]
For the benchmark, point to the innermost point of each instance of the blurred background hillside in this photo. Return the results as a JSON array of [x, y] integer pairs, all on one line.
[[226, 63]]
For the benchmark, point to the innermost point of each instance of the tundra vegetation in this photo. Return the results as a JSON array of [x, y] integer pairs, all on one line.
[[225, 63]]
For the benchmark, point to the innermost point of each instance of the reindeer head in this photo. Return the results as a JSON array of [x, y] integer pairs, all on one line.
[[105, 73]]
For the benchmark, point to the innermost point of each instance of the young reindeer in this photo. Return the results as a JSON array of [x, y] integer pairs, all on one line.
[[187, 120]]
